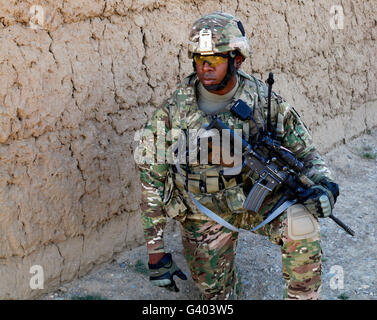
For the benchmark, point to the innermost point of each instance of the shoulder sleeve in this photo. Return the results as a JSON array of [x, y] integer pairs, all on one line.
[[297, 138], [153, 170]]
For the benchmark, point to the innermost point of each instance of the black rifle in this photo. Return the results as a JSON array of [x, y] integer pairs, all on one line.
[[279, 167]]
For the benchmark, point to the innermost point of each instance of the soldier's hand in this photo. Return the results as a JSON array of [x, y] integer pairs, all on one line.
[[161, 274], [320, 199]]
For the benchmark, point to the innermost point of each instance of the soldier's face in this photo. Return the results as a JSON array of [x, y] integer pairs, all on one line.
[[211, 73]]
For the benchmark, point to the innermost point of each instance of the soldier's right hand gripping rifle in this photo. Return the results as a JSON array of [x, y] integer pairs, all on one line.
[[279, 167]]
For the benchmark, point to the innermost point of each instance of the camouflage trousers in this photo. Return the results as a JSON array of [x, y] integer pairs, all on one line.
[[210, 249]]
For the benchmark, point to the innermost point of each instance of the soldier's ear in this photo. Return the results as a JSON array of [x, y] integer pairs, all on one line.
[[238, 61]]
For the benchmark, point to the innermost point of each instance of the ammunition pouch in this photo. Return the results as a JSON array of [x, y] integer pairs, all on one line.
[[212, 184], [235, 198], [206, 182]]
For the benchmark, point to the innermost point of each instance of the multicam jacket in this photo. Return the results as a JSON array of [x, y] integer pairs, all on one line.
[[181, 111]]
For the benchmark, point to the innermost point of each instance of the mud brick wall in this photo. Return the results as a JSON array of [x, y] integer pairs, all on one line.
[[79, 77]]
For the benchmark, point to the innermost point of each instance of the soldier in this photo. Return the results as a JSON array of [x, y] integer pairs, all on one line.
[[218, 46]]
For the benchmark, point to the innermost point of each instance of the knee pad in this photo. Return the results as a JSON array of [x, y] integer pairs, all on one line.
[[301, 223]]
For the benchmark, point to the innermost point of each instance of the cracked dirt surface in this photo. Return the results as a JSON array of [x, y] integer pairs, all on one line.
[[348, 262]]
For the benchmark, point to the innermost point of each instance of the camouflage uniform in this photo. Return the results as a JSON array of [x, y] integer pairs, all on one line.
[[209, 248]]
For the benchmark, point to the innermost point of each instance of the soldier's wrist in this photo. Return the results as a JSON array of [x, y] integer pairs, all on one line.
[[332, 187], [155, 257]]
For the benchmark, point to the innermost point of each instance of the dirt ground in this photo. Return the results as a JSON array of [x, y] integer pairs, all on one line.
[[349, 263]]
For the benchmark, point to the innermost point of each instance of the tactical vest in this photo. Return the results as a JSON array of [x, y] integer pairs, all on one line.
[[185, 114]]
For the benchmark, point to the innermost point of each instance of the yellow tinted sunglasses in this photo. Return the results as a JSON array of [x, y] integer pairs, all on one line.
[[213, 60]]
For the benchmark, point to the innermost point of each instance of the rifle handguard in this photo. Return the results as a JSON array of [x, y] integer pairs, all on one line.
[[285, 155]]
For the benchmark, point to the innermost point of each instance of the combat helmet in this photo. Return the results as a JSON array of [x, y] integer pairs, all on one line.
[[218, 32]]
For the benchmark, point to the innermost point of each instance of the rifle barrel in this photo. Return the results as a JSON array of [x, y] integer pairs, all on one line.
[[342, 224]]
